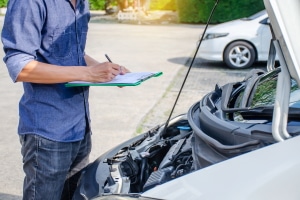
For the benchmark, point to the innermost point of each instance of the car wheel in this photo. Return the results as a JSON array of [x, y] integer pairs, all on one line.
[[239, 55]]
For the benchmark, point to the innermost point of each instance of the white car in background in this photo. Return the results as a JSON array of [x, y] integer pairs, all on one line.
[[239, 43]]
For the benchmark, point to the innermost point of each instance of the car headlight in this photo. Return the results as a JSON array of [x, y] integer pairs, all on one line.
[[214, 35]]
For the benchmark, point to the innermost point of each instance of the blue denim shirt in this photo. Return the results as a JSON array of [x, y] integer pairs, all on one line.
[[49, 31]]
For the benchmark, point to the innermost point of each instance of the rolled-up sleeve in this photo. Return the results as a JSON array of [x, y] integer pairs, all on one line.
[[21, 34]]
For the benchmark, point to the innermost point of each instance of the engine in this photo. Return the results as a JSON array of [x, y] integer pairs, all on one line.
[[157, 158]]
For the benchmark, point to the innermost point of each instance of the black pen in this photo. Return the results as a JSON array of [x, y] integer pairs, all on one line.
[[111, 62], [108, 58]]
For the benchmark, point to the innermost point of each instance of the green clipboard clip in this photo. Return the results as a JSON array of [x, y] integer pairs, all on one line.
[[128, 79]]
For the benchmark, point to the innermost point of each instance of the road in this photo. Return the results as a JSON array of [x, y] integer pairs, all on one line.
[[120, 113]]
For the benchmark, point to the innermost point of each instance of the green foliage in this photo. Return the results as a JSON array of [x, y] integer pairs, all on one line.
[[3, 3], [97, 4], [198, 11], [194, 11], [163, 5], [154, 4]]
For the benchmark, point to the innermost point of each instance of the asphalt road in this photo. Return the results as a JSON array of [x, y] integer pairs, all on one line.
[[120, 113]]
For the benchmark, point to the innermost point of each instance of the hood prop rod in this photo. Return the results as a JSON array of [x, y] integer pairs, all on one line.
[[191, 64]]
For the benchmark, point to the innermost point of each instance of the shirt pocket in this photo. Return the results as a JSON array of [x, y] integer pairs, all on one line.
[[61, 43]]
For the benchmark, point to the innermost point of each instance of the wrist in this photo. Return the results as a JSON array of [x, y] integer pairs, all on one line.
[[82, 73]]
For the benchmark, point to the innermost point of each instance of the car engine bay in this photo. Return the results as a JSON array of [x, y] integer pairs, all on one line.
[[153, 160]]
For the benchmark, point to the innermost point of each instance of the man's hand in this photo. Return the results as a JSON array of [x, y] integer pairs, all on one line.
[[123, 70], [103, 72]]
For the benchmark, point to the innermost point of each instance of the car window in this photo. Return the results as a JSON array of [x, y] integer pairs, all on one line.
[[256, 15]]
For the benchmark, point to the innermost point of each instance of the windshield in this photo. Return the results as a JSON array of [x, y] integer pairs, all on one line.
[[264, 92], [256, 15], [262, 98]]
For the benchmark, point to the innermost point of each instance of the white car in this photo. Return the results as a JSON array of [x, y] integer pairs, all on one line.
[[239, 142], [239, 43]]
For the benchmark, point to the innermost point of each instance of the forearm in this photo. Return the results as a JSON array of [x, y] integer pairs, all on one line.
[[90, 61], [37, 72]]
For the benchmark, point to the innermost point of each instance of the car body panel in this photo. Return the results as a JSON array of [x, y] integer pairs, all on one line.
[[268, 173], [287, 32]]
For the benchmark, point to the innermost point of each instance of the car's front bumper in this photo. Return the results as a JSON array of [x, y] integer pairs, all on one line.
[[212, 49], [94, 176]]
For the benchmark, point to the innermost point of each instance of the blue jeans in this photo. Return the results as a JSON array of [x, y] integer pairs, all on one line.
[[51, 168]]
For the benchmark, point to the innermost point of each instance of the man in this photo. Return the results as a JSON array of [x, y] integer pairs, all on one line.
[[44, 43]]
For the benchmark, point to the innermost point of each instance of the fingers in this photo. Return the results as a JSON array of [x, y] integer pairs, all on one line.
[[106, 71], [119, 69], [114, 69], [123, 70]]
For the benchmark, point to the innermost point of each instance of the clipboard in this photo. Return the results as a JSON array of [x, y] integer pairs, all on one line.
[[128, 79]]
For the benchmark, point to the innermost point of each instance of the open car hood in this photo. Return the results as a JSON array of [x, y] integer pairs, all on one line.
[[284, 17]]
